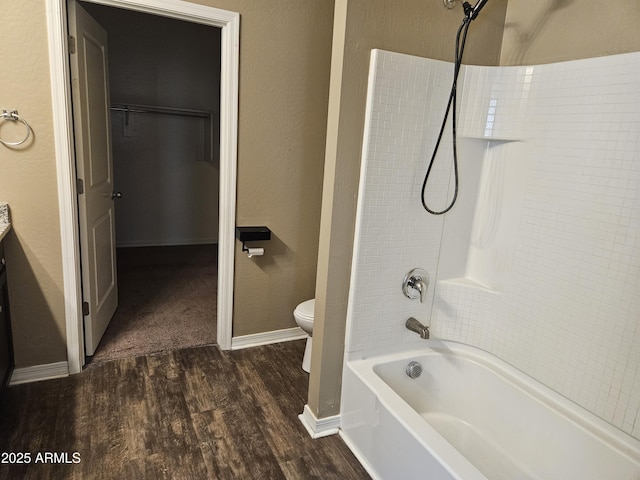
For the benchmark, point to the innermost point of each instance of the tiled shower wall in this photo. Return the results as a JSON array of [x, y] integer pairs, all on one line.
[[548, 278]]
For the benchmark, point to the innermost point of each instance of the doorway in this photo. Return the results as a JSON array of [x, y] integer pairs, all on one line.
[[228, 22], [164, 82]]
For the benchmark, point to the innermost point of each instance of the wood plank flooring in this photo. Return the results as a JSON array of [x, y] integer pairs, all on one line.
[[197, 413]]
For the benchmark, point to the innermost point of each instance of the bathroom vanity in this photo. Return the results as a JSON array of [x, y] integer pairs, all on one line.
[[6, 344]]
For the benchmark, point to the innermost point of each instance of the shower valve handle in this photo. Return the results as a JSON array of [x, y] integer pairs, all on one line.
[[415, 284]]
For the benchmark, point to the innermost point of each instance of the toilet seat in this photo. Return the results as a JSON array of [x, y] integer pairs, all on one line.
[[304, 311]]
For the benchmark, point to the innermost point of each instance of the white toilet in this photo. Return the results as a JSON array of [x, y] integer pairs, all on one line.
[[304, 318]]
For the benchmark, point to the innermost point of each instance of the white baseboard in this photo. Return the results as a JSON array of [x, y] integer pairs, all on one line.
[[38, 373], [318, 428], [265, 338]]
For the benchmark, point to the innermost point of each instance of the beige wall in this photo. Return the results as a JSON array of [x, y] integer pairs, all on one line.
[[548, 31], [285, 53], [415, 27], [284, 81], [28, 182]]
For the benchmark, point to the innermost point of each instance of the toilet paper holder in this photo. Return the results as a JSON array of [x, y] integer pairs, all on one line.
[[252, 234]]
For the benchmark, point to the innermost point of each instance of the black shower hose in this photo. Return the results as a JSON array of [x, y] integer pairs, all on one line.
[[464, 27]]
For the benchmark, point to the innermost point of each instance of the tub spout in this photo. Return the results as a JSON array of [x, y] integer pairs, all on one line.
[[415, 326]]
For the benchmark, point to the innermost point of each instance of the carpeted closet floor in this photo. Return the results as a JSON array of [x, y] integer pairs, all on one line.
[[167, 301]]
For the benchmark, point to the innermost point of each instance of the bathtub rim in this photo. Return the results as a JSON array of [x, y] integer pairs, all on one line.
[[363, 365]]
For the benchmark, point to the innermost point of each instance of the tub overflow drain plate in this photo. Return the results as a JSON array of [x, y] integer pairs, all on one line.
[[414, 369]]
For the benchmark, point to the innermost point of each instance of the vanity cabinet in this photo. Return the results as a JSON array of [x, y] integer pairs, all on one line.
[[6, 347]]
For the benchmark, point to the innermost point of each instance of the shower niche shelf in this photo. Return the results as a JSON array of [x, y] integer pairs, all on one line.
[[480, 234]]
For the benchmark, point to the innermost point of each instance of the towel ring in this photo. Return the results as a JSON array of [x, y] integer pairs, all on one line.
[[13, 116]]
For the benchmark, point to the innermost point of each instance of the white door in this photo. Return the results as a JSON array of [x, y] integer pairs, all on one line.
[[94, 163]]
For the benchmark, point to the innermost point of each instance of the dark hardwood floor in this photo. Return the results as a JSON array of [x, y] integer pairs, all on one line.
[[197, 413]]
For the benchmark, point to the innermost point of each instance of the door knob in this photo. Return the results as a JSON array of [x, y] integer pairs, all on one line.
[[115, 195]]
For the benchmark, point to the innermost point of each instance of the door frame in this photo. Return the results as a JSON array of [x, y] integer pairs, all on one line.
[[229, 23]]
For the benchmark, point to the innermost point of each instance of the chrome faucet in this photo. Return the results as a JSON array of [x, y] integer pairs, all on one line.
[[415, 326], [415, 284]]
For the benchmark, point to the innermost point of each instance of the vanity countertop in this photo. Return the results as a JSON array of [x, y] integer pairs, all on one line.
[[5, 222]]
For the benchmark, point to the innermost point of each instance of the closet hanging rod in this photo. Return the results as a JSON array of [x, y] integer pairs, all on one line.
[[129, 108]]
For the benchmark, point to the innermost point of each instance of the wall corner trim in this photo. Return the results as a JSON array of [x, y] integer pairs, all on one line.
[[319, 427], [37, 373]]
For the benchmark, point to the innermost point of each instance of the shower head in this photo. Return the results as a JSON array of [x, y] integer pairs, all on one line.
[[472, 12]]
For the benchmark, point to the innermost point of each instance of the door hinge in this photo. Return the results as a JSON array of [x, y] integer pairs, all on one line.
[[72, 44], [85, 309], [80, 186]]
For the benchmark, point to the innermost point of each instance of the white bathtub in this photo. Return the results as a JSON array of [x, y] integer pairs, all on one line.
[[471, 416]]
